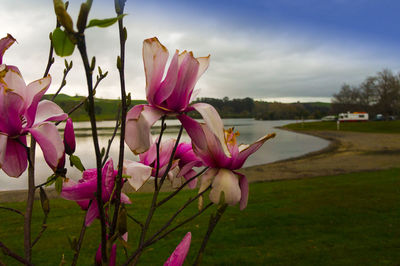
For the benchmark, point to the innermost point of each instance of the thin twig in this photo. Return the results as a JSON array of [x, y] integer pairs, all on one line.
[[81, 236], [10, 253], [100, 77], [11, 209], [135, 220], [44, 227], [171, 159], [180, 224], [48, 181], [136, 254], [29, 202], [170, 196], [82, 49], [213, 223], [117, 123], [124, 110], [68, 67], [168, 223]]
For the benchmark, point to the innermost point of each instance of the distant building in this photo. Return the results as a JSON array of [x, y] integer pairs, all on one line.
[[353, 117]]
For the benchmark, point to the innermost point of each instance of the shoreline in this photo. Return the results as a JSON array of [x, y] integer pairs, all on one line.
[[347, 152]]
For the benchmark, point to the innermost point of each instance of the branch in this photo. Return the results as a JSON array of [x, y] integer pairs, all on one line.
[[124, 107], [168, 223], [170, 196], [213, 223], [180, 224], [44, 227], [10, 253], [117, 123], [11, 209], [171, 159], [135, 220], [88, 71], [81, 236], [68, 67]]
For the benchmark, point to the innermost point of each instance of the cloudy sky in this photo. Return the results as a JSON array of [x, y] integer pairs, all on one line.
[[280, 50]]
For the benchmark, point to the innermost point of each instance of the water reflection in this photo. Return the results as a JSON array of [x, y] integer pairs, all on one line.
[[285, 145]]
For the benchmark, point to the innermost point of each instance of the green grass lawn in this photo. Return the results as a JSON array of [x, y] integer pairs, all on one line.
[[370, 126], [351, 219]]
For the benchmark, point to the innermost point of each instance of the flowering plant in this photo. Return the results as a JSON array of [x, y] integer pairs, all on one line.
[[212, 155]]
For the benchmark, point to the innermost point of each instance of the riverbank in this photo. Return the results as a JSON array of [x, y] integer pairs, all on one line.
[[348, 152]]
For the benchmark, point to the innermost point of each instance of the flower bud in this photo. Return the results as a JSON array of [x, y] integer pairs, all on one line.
[[69, 137]]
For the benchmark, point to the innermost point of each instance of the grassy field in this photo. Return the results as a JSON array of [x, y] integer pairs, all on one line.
[[351, 219], [370, 126]]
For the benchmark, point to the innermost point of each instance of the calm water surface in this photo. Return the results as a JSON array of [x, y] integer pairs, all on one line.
[[285, 145]]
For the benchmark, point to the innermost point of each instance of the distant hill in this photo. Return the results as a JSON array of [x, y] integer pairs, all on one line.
[[106, 109]]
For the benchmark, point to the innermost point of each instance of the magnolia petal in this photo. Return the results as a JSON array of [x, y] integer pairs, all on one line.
[[155, 56], [206, 180], [138, 123], [69, 137], [192, 184], [34, 92], [50, 142], [92, 213], [204, 62], [16, 158], [14, 82], [3, 147], [108, 177], [180, 97], [213, 121], [168, 84], [79, 191], [225, 181], [138, 172], [125, 199], [247, 151], [49, 111], [178, 256], [11, 110], [113, 256], [5, 43], [244, 188]]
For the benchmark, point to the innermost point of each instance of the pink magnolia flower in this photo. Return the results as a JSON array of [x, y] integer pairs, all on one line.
[[170, 96], [69, 137], [113, 256], [83, 191], [22, 113], [223, 156], [178, 256], [184, 161]]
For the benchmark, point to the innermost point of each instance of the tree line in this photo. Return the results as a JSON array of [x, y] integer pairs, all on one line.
[[378, 94], [249, 108]]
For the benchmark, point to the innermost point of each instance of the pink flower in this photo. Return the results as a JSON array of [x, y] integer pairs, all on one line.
[[69, 137], [184, 161], [223, 156], [83, 191], [178, 256], [113, 256], [22, 113], [170, 96]]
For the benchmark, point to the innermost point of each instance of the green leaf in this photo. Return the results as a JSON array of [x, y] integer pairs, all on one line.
[[76, 161], [104, 23], [59, 184], [73, 242], [44, 200], [63, 46], [51, 179]]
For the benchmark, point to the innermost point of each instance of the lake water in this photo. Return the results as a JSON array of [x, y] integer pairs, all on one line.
[[285, 145]]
